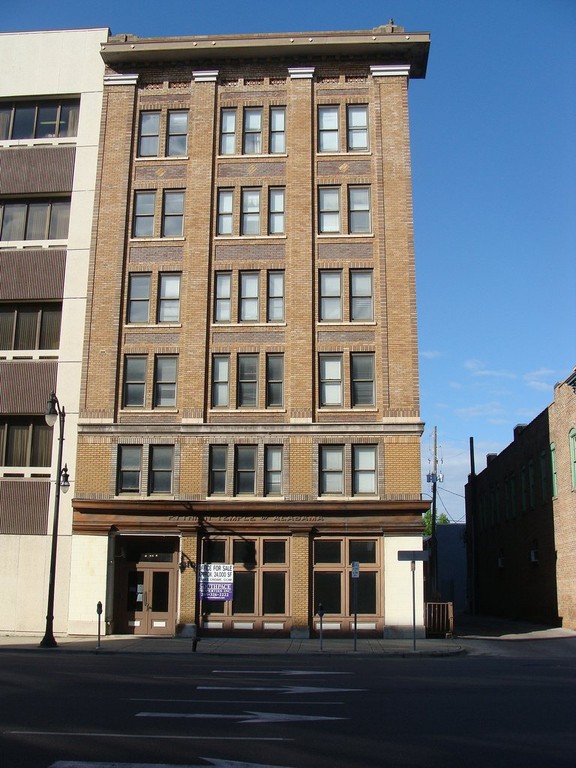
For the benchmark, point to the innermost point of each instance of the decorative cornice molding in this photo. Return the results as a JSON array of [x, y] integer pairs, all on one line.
[[208, 76], [120, 79], [301, 73], [390, 70]]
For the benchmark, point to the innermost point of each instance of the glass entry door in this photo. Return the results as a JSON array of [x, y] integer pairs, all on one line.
[[148, 601]]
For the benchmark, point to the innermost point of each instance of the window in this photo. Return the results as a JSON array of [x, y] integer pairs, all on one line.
[[275, 297], [357, 127], [30, 326], [362, 379], [274, 380], [553, 468], [359, 210], [363, 471], [276, 197], [572, 438], [169, 298], [161, 460], [252, 142], [224, 226], [222, 302], [228, 132], [330, 380], [273, 473], [277, 130], [217, 470], [220, 381], [329, 210], [134, 381], [247, 394], [165, 376], [328, 135], [139, 298], [177, 134], [361, 301], [43, 120], [245, 469], [249, 296], [129, 468], [25, 441], [149, 134], [330, 296], [144, 203], [250, 212], [36, 219], [331, 469], [173, 215]]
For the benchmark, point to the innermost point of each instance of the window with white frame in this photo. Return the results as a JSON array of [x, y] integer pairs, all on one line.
[[144, 205], [363, 469], [247, 388], [220, 381], [250, 214], [161, 468], [245, 470], [225, 202], [35, 219], [277, 130], [173, 213], [554, 471], [139, 297], [361, 295], [275, 296], [276, 205], [169, 297], [329, 210], [177, 133], [330, 380], [273, 470], [274, 380], [359, 210], [252, 138], [331, 470], [129, 468], [362, 366], [46, 119], [357, 115], [223, 297], [328, 129], [30, 325], [330, 295], [165, 377], [135, 381], [249, 296], [228, 132], [572, 439], [218, 458], [149, 134]]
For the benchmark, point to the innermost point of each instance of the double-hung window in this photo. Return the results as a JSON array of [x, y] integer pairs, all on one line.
[[572, 439], [362, 379], [223, 297], [220, 381], [225, 200], [277, 130], [275, 296], [165, 376], [169, 297], [357, 127], [273, 470], [139, 298], [250, 212], [249, 297], [134, 381], [34, 219], [364, 469], [177, 134], [247, 389], [329, 210], [129, 468], [330, 380], [359, 210], [328, 129], [331, 470], [330, 295], [245, 470], [144, 204], [217, 469], [361, 296], [276, 208], [252, 139], [161, 464], [228, 132], [173, 214], [149, 134], [274, 380]]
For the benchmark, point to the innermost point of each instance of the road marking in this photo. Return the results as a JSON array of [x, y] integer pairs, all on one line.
[[243, 702], [289, 672], [246, 717], [143, 736], [215, 763], [286, 689]]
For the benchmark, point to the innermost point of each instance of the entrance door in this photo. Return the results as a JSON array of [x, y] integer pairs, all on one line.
[[148, 601]]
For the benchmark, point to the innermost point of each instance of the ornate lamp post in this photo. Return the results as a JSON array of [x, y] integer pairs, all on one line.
[[55, 413]]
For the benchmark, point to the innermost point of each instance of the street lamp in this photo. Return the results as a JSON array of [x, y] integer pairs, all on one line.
[[55, 413]]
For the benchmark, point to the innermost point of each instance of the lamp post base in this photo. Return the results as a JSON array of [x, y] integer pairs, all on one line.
[[48, 641]]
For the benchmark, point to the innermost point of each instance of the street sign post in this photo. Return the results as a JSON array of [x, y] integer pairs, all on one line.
[[411, 556], [355, 576]]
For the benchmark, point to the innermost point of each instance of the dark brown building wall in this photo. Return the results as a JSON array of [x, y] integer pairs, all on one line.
[[36, 170]]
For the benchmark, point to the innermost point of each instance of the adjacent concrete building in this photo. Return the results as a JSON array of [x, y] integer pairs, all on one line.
[[50, 105], [520, 514]]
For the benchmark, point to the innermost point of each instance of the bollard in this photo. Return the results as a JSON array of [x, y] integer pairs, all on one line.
[[320, 613], [99, 612]]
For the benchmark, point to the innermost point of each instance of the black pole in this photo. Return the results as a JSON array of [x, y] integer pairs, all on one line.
[[49, 641]]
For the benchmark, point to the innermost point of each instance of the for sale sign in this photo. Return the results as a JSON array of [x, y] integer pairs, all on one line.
[[216, 581]]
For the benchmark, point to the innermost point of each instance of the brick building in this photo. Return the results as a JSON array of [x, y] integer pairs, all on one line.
[[250, 383], [50, 102], [520, 514]]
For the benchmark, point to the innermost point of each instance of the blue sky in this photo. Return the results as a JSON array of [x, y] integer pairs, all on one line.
[[494, 179]]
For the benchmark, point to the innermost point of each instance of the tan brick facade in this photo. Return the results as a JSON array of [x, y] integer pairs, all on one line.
[[315, 491]]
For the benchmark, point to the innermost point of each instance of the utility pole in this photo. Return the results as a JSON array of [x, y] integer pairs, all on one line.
[[434, 478]]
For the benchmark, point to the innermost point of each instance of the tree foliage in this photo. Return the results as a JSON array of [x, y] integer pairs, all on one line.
[[441, 519]]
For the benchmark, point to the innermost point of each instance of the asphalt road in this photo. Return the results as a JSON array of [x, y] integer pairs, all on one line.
[[486, 708]]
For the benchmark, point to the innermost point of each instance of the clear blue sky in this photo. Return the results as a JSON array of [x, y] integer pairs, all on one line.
[[494, 173]]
